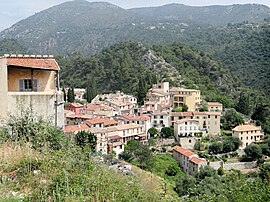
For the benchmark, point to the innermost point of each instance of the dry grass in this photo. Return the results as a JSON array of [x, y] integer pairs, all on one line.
[[12, 153]]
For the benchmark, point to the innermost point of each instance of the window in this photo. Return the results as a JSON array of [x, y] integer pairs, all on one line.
[[161, 117], [247, 138], [189, 141], [26, 85], [121, 146], [251, 137], [155, 116], [241, 138]]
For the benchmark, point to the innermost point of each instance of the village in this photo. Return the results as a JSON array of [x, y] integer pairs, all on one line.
[[195, 129]]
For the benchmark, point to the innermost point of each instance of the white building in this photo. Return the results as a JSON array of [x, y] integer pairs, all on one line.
[[248, 134]]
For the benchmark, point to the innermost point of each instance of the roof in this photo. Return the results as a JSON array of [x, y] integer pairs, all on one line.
[[214, 104], [189, 114], [105, 121], [92, 107], [114, 137], [74, 105], [74, 128], [185, 120], [135, 118], [197, 160], [36, 63], [183, 151], [246, 128], [183, 89]]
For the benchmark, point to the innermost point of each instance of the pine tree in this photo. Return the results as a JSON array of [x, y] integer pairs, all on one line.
[[142, 90], [243, 104], [71, 95], [91, 90]]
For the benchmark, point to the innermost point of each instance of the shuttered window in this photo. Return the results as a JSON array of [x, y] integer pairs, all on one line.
[[26, 85]]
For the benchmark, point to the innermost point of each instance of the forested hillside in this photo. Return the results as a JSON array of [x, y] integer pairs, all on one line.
[[122, 66], [243, 47]]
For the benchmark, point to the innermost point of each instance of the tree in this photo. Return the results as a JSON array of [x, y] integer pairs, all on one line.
[[177, 109], [71, 95], [86, 140], [172, 170], [184, 108], [253, 151], [231, 119], [152, 132], [184, 184], [216, 147], [206, 171], [166, 132], [141, 90], [243, 104], [91, 90], [265, 172]]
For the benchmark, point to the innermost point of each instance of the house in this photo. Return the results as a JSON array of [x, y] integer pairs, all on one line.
[[98, 122], [160, 119], [209, 122], [248, 134], [31, 81], [157, 97], [214, 107], [143, 119], [189, 97], [77, 108], [189, 162]]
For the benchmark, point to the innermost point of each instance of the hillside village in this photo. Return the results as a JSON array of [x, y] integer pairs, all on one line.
[[166, 103], [116, 118]]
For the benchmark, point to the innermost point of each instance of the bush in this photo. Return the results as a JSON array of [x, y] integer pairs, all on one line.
[[253, 151], [172, 170], [221, 171], [152, 132]]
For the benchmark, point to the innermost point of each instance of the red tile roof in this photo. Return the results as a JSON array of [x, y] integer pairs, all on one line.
[[92, 107], [179, 149], [37, 63], [136, 118], [105, 121], [74, 105], [197, 160], [74, 128], [114, 137], [214, 104]]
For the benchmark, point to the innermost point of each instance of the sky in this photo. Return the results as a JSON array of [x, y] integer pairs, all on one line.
[[12, 11]]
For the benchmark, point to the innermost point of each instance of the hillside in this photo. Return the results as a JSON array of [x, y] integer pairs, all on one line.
[[84, 27], [121, 66], [243, 48]]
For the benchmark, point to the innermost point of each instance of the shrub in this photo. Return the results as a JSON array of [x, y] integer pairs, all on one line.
[[172, 170]]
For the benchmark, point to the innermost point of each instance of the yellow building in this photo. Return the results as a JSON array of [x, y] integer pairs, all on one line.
[[248, 134], [30, 81], [189, 97]]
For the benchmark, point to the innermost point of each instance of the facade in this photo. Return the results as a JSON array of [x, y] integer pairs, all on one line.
[[77, 108], [144, 120], [189, 97], [189, 162], [160, 119], [112, 138], [209, 122], [248, 134], [31, 81], [157, 97], [214, 107]]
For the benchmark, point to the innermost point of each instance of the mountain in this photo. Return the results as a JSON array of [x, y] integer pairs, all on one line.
[[84, 27], [211, 15]]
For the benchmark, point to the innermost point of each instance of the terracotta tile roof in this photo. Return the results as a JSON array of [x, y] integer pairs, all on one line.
[[179, 149], [185, 120], [74, 128], [136, 118], [37, 63], [246, 128], [214, 104], [207, 113], [103, 121], [74, 105], [189, 153], [197, 160], [114, 137], [92, 107], [186, 114]]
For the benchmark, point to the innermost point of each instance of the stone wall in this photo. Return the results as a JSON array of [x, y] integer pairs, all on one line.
[[236, 166]]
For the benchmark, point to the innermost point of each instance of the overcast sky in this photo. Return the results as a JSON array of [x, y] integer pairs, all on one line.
[[12, 11]]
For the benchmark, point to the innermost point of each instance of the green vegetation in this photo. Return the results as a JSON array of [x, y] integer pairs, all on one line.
[[71, 95], [152, 132], [59, 170], [166, 132], [231, 119], [231, 186]]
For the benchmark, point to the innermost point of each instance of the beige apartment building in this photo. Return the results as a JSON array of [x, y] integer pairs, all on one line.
[[189, 97], [31, 81], [248, 134], [214, 107]]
